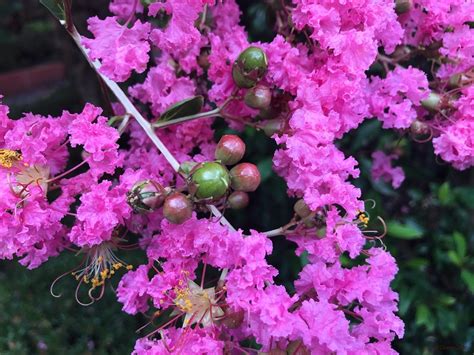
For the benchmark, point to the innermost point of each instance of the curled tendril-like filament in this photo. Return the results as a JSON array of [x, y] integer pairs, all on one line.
[[57, 279], [384, 233], [371, 200], [76, 295]]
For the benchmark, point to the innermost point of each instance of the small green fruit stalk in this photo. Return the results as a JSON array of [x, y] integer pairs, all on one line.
[[177, 208], [230, 149], [245, 177], [146, 196], [259, 97], [249, 67], [209, 181], [238, 200]]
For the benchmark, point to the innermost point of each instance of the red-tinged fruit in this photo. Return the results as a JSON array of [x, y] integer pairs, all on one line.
[[177, 208], [146, 196], [258, 97], [238, 200], [245, 177], [230, 149]]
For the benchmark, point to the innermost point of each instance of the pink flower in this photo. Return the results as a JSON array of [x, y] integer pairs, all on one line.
[[124, 9], [101, 211], [188, 340], [394, 98], [326, 329], [180, 33], [99, 140], [382, 169], [40, 140], [132, 290], [456, 144], [120, 49], [162, 88]]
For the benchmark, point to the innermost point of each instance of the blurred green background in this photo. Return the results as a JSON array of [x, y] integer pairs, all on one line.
[[430, 217]]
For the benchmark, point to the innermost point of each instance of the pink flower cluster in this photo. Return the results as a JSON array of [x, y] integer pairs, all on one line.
[[209, 286]]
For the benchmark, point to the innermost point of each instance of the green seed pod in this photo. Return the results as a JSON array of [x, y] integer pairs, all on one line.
[[432, 102], [259, 97], [238, 200], [402, 6], [146, 196], [249, 67], [230, 149], [177, 208], [245, 177], [301, 209], [210, 180], [272, 126]]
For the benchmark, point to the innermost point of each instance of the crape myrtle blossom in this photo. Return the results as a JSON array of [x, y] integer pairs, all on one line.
[[382, 169], [206, 287]]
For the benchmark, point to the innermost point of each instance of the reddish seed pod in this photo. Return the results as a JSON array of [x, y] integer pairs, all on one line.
[[230, 149], [238, 200], [177, 208], [146, 196], [301, 209], [259, 97], [245, 177]]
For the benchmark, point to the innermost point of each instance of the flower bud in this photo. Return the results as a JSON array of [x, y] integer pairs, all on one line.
[[238, 200], [210, 180], [301, 209], [245, 177], [259, 97], [230, 149], [272, 126], [296, 347], [402, 6], [146, 196], [234, 319], [419, 128], [250, 67], [177, 208], [432, 102]]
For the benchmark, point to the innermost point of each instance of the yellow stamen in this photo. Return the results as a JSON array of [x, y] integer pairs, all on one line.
[[8, 157]]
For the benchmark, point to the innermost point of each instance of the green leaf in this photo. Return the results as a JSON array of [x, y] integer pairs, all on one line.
[[454, 257], [423, 315], [56, 7], [445, 194], [365, 134], [465, 195], [404, 231], [468, 278], [460, 243], [265, 168], [187, 107], [304, 258]]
